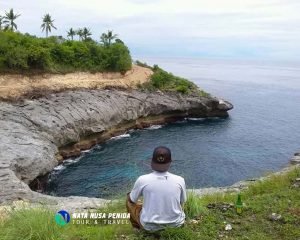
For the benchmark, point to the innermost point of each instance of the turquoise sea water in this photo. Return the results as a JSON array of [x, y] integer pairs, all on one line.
[[260, 136]]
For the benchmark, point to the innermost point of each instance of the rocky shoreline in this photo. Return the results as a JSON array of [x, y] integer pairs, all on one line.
[[236, 187], [36, 135]]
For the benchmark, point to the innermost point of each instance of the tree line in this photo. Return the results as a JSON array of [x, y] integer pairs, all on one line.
[[26, 53], [8, 22], [21, 53]]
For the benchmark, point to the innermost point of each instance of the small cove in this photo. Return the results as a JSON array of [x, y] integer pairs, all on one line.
[[259, 136]]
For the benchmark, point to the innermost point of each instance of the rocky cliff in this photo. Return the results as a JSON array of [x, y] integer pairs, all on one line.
[[36, 134]]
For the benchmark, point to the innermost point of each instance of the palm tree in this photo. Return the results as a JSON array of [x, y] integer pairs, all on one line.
[[71, 33], [107, 38], [80, 33], [47, 24], [118, 40], [1, 18], [86, 33], [9, 19]]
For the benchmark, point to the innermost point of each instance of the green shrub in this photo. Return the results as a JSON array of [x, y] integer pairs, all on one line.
[[26, 53], [193, 206], [38, 58], [139, 63], [161, 79], [164, 81], [118, 57]]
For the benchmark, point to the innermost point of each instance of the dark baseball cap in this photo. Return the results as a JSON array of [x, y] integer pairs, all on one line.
[[161, 159]]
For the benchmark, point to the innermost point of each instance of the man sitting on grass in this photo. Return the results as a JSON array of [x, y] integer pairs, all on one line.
[[163, 195]]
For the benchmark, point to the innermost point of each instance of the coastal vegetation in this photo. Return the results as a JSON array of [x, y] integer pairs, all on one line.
[[9, 20], [167, 82], [107, 38], [71, 33], [206, 217], [47, 24], [24, 53]]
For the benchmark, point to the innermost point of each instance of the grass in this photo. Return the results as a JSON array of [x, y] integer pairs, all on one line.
[[167, 82], [273, 195]]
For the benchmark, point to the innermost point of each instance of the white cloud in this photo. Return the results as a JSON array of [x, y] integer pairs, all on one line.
[[232, 27]]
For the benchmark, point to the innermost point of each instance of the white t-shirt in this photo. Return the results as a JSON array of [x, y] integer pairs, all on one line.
[[163, 192]]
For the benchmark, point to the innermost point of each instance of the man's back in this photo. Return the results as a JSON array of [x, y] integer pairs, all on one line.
[[163, 195]]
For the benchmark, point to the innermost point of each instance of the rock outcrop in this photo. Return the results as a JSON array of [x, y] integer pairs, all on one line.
[[244, 184], [296, 158], [35, 133]]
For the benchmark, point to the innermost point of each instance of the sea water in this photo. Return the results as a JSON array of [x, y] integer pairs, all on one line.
[[259, 137]]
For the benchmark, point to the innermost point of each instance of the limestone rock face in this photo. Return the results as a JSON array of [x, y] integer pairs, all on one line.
[[32, 131], [224, 105], [295, 159]]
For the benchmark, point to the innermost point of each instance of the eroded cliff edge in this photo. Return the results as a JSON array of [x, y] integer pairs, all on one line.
[[35, 133]]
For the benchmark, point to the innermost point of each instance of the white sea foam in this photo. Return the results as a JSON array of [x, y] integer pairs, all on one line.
[[98, 147], [86, 151], [59, 168], [69, 161], [125, 135], [195, 119], [77, 159], [154, 127]]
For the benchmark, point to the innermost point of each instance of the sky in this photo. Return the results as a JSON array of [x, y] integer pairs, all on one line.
[[230, 29]]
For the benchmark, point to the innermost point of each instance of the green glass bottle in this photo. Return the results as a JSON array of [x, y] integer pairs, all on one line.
[[239, 204]]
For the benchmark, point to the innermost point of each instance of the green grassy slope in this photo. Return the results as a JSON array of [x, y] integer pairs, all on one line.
[[167, 82], [278, 194]]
